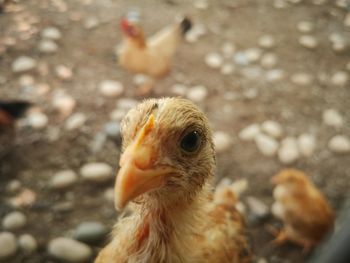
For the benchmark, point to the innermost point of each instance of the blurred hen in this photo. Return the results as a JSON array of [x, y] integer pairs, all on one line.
[[305, 212], [152, 56], [166, 173]]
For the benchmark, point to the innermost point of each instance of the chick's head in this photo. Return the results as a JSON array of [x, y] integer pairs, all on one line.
[[291, 178], [168, 153]]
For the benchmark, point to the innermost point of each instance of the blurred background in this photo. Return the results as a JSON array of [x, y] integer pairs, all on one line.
[[271, 75]]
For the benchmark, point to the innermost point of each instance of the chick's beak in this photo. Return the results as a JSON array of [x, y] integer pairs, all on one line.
[[138, 173]]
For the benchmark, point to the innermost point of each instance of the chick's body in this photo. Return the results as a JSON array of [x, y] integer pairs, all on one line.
[[179, 220], [306, 214]]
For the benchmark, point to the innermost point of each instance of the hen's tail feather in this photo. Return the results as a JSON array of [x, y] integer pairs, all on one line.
[[185, 25], [15, 108]]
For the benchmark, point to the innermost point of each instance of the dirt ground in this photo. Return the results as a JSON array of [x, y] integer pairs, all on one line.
[[90, 53]]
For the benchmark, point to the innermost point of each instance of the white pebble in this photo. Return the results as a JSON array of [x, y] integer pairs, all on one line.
[[63, 72], [272, 128], [332, 117], [201, 4], [228, 49], [23, 64], [63, 179], [37, 119], [253, 54], [91, 22], [347, 20], [47, 46], [268, 60], [69, 250], [339, 144], [126, 103], [339, 78], [274, 75], [266, 145], [97, 172], [179, 89], [240, 58], [27, 243], [109, 194], [140, 79], [288, 152], [51, 33], [306, 144], [64, 104], [197, 93], [301, 79], [227, 69], [213, 60], [111, 88], [249, 132], [14, 220], [75, 121], [8, 245], [222, 141], [308, 41], [305, 26], [267, 41]]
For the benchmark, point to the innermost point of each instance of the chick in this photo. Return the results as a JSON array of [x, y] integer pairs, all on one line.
[[305, 212], [165, 175]]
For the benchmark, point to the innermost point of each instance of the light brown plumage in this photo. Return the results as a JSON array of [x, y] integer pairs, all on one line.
[[150, 56], [176, 218], [305, 212]]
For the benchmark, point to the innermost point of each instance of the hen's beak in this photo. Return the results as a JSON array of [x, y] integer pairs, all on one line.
[[138, 173]]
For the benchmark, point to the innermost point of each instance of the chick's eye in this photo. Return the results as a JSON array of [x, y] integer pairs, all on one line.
[[191, 142]]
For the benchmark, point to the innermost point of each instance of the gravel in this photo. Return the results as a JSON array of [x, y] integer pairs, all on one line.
[[96, 172], [47, 47], [222, 141], [339, 144], [249, 132], [76, 121], [51, 33], [14, 220], [306, 144], [23, 64], [8, 245], [267, 145], [308, 41], [111, 88], [90, 232], [63, 179], [213, 60], [27, 243], [332, 117], [69, 250], [197, 93], [288, 151], [272, 128]]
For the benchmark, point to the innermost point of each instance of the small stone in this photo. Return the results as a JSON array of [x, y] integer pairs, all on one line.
[[227, 69], [111, 88], [179, 89], [308, 41], [117, 114], [305, 26], [63, 72], [140, 79], [197, 93], [222, 141], [96, 172], [201, 4], [332, 117], [266, 145], [27, 243], [126, 103], [268, 60], [253, 72], [301, 79], [274, 75], [14, 220], [228, 49], [75, 121], [272, 128], [288, 152], [64, 104], [340, 78], [98, 142], [250, 132], [23, 64], [306, 144], [26, 80], [63, 179], [213, 60], [8, 245], [262, 260], [240, 58], [90, 232], [69, 250], [257, 208], [51, 33], [91, 22], [347, 20], [47, 47], [109, 194], [13, 186], [25, 198], [339, 144], [340, 47], [253, 54], [112, 129], [197, 31], [267, 41], [37, 120]]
